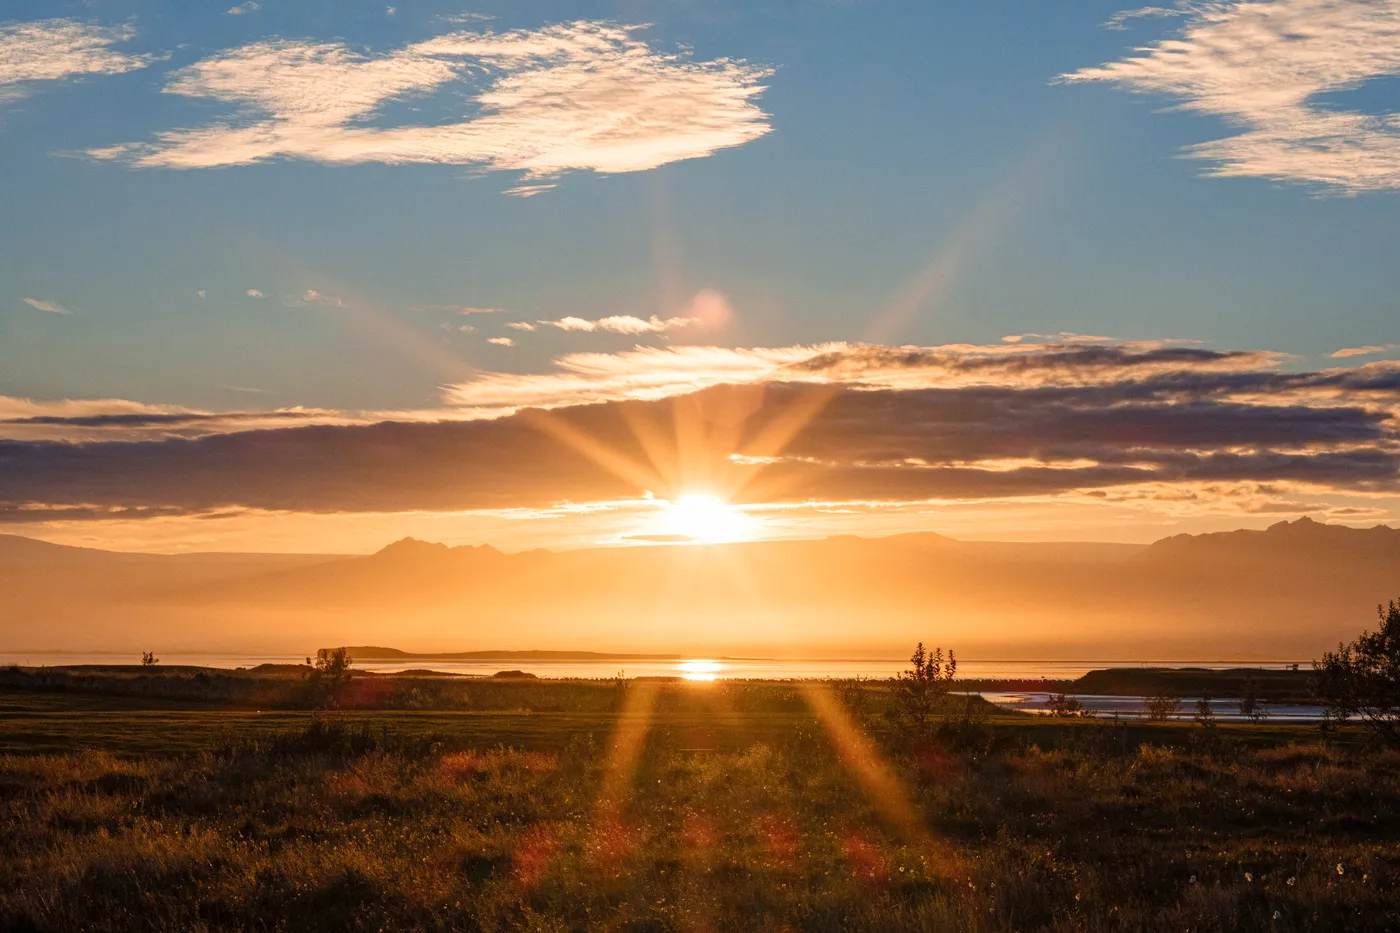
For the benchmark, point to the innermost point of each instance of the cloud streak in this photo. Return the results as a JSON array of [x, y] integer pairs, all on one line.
[[621, 324], [1261, 66], [889, 425], [577, 96], [51, 307], [55, 49]]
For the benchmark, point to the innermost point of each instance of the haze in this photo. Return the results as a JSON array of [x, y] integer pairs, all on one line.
[[811, 330]]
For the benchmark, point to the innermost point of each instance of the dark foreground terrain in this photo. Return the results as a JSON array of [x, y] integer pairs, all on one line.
[[670, 806]]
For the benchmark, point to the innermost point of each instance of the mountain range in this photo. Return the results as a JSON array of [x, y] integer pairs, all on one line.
[[1290, 591]]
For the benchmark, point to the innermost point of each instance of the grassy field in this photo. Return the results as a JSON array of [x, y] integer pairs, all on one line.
[[679, 807]]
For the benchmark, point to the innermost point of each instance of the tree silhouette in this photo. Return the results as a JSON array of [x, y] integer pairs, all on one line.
[[920, 691], [1363, 678]]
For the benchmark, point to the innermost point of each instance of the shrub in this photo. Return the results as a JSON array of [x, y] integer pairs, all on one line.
[[1251, 706], [1066, 706], [921, 691], [1161, 707], [1363, 678], [331, 673]]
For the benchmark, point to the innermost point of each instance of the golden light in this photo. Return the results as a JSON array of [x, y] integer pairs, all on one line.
[[707, 519], [700, 669]]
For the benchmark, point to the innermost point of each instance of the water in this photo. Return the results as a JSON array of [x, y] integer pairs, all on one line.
[[694, 668], [1106, 707]]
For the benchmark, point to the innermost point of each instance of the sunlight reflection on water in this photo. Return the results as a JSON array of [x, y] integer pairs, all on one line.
[[700, 669]]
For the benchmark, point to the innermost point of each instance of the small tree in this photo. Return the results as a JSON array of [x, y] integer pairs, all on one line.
[[1205, 713], [1161, 707], [920, 691], [1065, 706], [1252, 707], [332, 672], [1363, 678], [149, 659]]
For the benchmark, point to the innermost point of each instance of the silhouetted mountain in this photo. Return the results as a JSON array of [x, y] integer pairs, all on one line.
[[1290, 591]]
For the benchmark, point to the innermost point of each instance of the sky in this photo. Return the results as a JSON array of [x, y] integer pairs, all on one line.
[[303, 276]]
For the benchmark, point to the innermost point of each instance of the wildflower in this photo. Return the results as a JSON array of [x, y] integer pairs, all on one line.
[[1340, 869], [1248, 876], [1292, 881], [1193, 879], [1278, 915]]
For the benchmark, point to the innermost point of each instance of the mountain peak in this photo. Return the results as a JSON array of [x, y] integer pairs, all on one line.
[[1305, 523], [413, 548]]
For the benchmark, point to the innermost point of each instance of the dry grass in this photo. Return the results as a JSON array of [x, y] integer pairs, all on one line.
[[339, 827]]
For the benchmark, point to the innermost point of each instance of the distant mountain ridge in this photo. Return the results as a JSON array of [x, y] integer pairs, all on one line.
[[1293, 589]]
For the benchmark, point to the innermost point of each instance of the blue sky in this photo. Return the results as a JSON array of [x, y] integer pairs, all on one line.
[[890, 173]]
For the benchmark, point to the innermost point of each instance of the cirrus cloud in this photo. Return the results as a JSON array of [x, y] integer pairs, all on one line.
[[578, 96], [40, 304], [621, 324], [54, 49], [1260, 66]]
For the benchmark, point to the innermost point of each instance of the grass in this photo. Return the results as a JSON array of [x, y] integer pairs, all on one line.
[[681, 807]]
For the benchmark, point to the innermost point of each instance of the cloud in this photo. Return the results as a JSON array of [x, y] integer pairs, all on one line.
[[576, 96], [522, 325], [528, 191], [313, 297], [458, 309], [89, 420], [1178, 426], [1119, 21], [1261, 66], [251, 6], [255, 293], [200, 294], [501, 341], [643, 373], [52, 307], [1346, 352], [621, 324], [54, 49]]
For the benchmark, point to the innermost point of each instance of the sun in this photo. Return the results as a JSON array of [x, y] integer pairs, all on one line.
[[708, 519]]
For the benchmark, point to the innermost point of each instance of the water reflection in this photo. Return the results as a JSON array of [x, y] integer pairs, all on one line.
[[700, 669]]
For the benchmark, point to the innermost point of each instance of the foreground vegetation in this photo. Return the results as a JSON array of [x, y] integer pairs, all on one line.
[[686, 807]]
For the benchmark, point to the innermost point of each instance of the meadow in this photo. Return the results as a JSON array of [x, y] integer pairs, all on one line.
[[676, 806]]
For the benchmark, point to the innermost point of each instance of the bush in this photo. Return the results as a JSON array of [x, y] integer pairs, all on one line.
[[921, 692], [1161, 707], [1363, 678]]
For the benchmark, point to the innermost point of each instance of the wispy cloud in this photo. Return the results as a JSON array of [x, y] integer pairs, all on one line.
[[501, 341], [522, 325], [583, 95], [1260, 66], [52, 307], [458, 309], [251, 6], [1119, 21], [313, 297], [255, 293], [528, 191], [54, 49], [643, 373], [1346, 352], [621, 324]]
